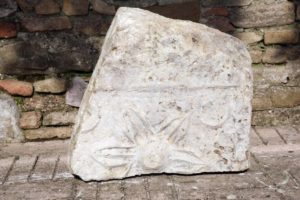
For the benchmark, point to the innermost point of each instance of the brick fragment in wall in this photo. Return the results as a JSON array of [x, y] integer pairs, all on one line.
[[102, 7], [249, 37], [261, 102], [275, 55], [59, 118], [27, 5], [47, 53], [45, 103], [288, 36], [51, 85], [285, 97], [48, 133], [276, 116], [76, 7], [47, 7], [132, 3], [92, 25], [186, 11], [7, 7], [33, 24], [219, 11], [7, 29], [31, 120], [15, 87], [262, 14], [221, 23], [220, 3], [256, 56], [167, 2]]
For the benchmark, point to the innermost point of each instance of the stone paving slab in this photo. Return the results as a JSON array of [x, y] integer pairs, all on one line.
[[31, 172]]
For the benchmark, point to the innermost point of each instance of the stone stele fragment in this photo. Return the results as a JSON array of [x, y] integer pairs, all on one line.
[[166, 96]]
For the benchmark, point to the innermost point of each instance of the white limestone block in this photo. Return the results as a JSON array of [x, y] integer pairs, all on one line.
[[166, 96]]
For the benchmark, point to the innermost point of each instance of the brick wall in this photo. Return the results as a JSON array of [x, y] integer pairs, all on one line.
[[44, 44]]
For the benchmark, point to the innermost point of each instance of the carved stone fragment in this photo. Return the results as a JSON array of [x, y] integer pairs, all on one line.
[[166, 96]]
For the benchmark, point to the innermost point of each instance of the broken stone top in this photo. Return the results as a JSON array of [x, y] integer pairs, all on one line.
[[166, 96], [184, 61]]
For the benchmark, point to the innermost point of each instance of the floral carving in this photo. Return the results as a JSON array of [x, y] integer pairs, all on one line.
[[149, 150]]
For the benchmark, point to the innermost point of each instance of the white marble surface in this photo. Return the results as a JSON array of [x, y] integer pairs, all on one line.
[[166, 96]]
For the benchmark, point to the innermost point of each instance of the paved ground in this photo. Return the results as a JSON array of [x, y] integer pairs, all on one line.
[[38, 170]]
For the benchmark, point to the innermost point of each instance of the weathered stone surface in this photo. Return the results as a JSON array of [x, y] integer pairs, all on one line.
[[249, 37], [8, 30], [142, 115], [27, 5], [47, 53], [102, 7], [46, 24], [187, 10], [9, 115], [15, 87], [30, 120], [75, 92], [274, 56], [47, 7], [256, 56], [48, 133], [298, 12], [261, 101], [51, 85], [45, 103], [76, 7], [7, 7], [262, 14], [284, 97], [219, 3], [289, 36], [59, 118]]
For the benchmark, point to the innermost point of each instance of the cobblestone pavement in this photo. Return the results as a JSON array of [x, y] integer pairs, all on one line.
[[38, 170]]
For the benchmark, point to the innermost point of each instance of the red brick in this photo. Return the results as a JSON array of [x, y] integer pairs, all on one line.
[[76, 7], [46, 24], [15, 87], [47, 7], [7, 30], [215, 12]]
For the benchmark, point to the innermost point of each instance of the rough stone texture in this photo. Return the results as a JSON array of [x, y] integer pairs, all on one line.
[[45, 103], [47, 53], [290, 36], [298, 12], [274, 56], [30, 120], [27, 5], [46, 24], [256, 56], [75, 92], [178, 112], [7, 7], [47, 7], [51, 85], [263, 13], [48, 133], [15, 87], [214, 12], [8, 30], [285, 97], [59, 118], [261, 101], [76, 7], [249, 37], [9, 123], [102, 7]]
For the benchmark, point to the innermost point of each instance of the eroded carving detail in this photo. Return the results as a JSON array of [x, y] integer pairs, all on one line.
[[147, 149]]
